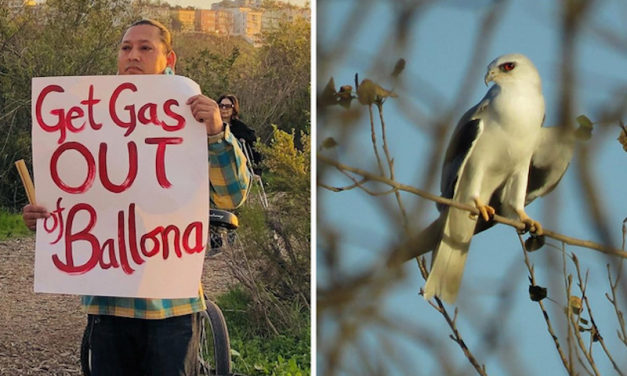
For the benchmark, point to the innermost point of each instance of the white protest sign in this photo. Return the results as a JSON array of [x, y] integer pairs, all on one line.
[[121, 164]]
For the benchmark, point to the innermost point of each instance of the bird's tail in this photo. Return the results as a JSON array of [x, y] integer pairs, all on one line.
[[450, 257], [417, 245]]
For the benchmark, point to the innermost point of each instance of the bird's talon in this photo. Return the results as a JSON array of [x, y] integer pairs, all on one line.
[[487, 212], [539, 231], [530, 225], [534, 227]]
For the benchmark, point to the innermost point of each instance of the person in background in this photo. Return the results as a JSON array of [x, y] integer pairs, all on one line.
[[229, 109], [130, 336]]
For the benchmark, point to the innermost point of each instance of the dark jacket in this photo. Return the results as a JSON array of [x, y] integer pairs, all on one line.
[[242, 131]]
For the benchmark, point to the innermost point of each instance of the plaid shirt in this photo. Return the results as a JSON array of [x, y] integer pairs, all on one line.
[[229, 186]]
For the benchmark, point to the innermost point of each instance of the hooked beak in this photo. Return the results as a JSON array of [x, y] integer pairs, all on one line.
[[489, 77]]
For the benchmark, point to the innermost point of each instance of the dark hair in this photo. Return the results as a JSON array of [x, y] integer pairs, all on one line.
[[235, 102], [166, 37]]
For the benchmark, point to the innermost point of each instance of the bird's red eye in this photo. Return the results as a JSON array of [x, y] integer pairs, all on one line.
[[506, 67]]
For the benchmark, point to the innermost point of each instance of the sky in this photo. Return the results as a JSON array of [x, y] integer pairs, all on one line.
[[206, 4], [440, 42]]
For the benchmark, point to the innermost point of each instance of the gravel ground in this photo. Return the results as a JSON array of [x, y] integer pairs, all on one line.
[[40, 334]]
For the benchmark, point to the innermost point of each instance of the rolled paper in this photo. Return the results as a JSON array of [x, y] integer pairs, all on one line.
[[26, 180]]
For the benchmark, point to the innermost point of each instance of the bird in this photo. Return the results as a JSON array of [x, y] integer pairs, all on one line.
[[490, 151], [551, 158]]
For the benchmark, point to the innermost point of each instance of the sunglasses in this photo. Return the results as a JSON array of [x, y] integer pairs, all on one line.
[[225, 106]]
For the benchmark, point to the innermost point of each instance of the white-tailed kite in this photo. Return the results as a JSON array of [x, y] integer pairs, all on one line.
[[551, 158], [490, 150]]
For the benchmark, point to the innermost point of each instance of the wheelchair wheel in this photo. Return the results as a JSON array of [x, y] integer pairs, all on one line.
[[215, 348], [86, 353]]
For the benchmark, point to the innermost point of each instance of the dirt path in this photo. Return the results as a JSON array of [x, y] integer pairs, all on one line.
[[40, 333]]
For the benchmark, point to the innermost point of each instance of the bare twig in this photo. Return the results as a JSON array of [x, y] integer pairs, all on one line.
[[595, 334], [545, 314], [391, 167], [360, 185], [374, 140], [456, 336], [342, 189], [497, 218], [573, 330], [574, 325], [622, 334], [569, 333]]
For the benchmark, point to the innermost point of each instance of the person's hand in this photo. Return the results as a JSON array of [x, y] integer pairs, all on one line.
[[31, 213], [206, 110]]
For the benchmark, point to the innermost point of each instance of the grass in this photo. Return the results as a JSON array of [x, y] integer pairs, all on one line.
[[12, 225], [255, 353]]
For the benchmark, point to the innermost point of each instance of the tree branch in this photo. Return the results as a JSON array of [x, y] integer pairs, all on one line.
[[545, 314], [472, 209]]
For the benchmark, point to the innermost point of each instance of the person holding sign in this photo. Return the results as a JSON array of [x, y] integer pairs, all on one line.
[[137, 336]]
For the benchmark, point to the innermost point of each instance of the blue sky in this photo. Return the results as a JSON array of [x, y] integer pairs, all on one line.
[[439, 46], [206, 4]]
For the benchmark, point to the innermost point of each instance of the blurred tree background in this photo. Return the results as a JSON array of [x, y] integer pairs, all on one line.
[[270, 307], [72, 38]]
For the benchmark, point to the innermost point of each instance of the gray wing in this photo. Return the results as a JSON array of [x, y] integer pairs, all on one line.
[[550, 160], [459, 149]]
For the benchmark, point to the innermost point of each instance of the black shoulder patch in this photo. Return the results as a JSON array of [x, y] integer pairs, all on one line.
[[456, 154], [537, 177], [462, 140]]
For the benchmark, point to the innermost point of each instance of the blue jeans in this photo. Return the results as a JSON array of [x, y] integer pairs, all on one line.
[[137, 347]]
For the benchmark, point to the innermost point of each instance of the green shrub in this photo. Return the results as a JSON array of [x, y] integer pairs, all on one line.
[[12, 225], [252, 354], [288, 167]]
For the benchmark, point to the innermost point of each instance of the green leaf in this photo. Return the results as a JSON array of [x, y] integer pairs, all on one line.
[[235, 353], [328, 96], [575, 304], [583, 121], [292, 364], [583, 133], [329, 143], [369, 93]]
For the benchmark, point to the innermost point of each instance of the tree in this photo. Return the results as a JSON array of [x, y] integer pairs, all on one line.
[[280, 72], [271, 82], [273, 262], [58, 38]]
